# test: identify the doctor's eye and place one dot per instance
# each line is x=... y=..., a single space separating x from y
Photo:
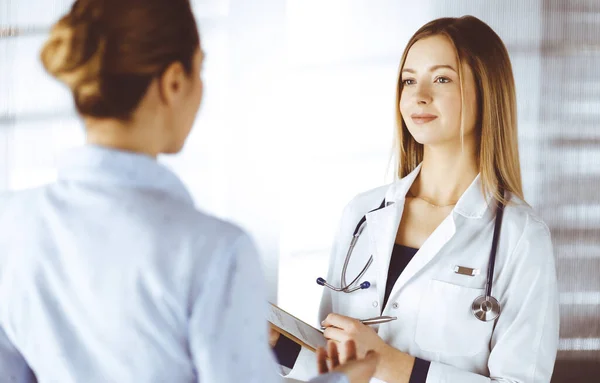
x=442 y=80
x=408 y=81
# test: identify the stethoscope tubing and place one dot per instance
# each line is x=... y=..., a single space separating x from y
x=485 y=308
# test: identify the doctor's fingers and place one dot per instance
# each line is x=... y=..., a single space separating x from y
x=341 y=321
x=336 y=334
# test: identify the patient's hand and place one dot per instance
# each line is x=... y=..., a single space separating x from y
x=273 y=335
x=357 y=370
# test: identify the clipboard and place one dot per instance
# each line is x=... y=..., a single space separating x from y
x=295 y=329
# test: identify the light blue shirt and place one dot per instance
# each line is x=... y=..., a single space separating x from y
x=111 y=275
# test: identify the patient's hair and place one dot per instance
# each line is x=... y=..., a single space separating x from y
x=108 y=51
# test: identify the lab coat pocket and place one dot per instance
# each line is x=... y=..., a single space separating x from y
x=445 y=323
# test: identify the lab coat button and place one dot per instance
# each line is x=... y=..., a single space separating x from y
x=375 y=304
x=395 y=305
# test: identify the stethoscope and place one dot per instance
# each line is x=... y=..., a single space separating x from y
x=485 y=307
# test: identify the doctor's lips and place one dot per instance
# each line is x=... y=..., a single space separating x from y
x=422 y=118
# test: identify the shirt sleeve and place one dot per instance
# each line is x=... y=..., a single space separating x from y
x=13 y=366
x=228 y=326
x=525 y=339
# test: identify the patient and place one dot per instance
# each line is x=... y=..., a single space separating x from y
x=110 y=274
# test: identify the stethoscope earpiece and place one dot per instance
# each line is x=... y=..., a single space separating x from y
x=345 y=289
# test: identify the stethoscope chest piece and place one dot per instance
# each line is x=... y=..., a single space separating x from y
x=486 y=308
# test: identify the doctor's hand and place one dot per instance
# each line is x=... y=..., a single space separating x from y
x=341 y=328
x=356 y=370
x=394 y=366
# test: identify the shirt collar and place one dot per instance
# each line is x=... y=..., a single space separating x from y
x=98 y=164
x=472 y=204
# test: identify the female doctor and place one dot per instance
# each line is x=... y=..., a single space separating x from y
x=110 y=274
x=431 y=233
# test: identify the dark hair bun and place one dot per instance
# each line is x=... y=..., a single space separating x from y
x=108 y=51
x=74 y=55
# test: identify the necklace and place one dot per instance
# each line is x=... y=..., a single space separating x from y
x=410 y=194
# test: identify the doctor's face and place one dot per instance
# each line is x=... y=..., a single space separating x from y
x=430 y=102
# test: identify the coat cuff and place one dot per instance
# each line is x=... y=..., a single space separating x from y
x=442 y=373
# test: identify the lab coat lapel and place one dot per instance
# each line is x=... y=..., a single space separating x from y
x=382 y=226
x=472 y=204
x=432 y=246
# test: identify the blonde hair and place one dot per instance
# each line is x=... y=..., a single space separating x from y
x=477 y=45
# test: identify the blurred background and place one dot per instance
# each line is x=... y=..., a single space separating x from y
x=298 y=117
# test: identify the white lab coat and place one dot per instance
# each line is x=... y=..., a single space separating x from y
x=433 y=303
x=111 y=275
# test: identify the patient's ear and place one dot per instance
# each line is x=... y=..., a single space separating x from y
x=173 y=84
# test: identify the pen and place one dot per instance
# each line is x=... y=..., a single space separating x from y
x=376 y=320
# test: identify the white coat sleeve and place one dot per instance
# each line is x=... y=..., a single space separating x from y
x=525 y=338
x=306 y=364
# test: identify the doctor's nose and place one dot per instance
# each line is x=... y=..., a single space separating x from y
x=423 y=95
